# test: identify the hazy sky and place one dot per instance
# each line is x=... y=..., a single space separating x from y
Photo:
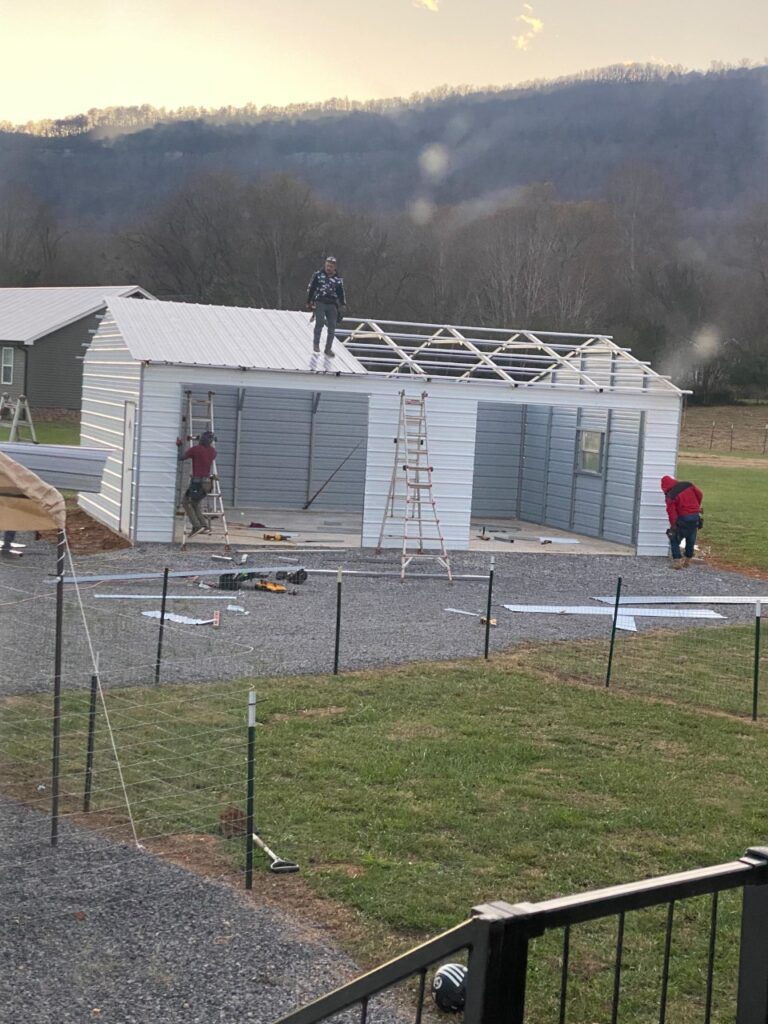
x=60 y=57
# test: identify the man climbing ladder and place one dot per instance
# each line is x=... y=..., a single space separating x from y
x=204 y=488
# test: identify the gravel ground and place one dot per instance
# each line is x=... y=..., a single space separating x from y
x=385 y=621
x=97 y=931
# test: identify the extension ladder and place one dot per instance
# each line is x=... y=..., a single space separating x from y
x=22 y=417
x=411 y=504
x=197 y=419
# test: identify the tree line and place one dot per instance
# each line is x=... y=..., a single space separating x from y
x=693 y=299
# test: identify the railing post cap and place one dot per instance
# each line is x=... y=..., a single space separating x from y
x=500 y=910
x=757 y=854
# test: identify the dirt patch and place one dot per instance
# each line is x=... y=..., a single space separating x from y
x=724 y=461
x=319 y=918
x=724 y=428
x=85 y=535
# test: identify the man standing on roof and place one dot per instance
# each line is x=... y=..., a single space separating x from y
x=325 y=296
x=203 y=456
x=684 y=510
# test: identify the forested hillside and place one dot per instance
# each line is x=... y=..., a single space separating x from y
x=629 y=201
x=709 y=133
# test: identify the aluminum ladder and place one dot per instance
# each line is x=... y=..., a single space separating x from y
x=197 y=419
x=22 y=417
x=411 y=505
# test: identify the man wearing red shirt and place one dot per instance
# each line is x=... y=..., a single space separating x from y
x=202 y=456
x=684 y=511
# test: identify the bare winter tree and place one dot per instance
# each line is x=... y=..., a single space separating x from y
x=29 y=239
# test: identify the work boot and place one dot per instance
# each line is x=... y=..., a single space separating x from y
x=677 y=563
x=687 y=562
x=315 y=348
x=330 y=353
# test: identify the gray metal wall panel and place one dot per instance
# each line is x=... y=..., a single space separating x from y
x=341 y=423
x=560 y=481
x=588 y=487
x=497 y=459
x=535 y=457
x=621 y=477
x=275 y=449
x=55 y=366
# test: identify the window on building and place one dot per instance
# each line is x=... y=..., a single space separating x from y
x=591 y=451
x=6 y=366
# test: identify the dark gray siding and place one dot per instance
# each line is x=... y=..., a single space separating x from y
x=16 y=387
x=277 y=430
x=55 y=366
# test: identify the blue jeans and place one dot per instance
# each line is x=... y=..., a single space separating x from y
x=686 y=531
x=326 y=315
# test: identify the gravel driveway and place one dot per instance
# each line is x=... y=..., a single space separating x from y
x=97 y=931
x=384 y=621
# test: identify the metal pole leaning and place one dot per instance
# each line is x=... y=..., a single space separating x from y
x=91 y=743
x=251 y=774
x=56 y=725
x=756 y=666
x=162 y=626
x=339 y=577
x=488 y=607
x=613 y=633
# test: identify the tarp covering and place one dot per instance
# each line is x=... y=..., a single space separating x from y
x=26 y=503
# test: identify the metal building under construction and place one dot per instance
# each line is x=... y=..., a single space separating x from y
x=565 y=432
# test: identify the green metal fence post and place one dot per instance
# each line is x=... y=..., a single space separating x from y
x=756 y=665
x=613 y=632
x=251 y=773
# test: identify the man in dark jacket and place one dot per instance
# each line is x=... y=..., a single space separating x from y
x=325 y=296
x=684 y=511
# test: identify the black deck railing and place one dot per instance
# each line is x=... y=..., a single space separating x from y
x=497 y=939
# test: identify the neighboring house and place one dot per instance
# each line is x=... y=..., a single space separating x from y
x=43 y=336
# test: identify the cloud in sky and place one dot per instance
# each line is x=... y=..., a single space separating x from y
x=533 y=26
x=428 y=5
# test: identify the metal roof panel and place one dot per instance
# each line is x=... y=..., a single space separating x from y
x=186 y=334
x=28 y=314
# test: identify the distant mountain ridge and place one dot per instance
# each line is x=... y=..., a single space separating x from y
x=707 y=132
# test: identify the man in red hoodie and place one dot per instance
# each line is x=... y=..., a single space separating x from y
x=684 y=510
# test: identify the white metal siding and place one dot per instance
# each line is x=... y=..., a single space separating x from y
x=451 y=440
x=159 y=419
x=110 y=378
x=662 y=428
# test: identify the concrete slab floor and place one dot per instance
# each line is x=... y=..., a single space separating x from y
x=324 y=530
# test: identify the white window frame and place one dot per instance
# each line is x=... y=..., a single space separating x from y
x=591 y=452
x=6 y=363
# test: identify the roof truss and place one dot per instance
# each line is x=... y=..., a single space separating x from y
x=517 y=358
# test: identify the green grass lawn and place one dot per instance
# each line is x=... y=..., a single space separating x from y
x=735 y=512
x=49 y=433
x=410 y=795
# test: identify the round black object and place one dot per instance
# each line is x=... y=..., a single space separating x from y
x=449 y=987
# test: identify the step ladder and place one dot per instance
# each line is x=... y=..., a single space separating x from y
x=21 y=419
x=410 y=513
x=197 y=418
